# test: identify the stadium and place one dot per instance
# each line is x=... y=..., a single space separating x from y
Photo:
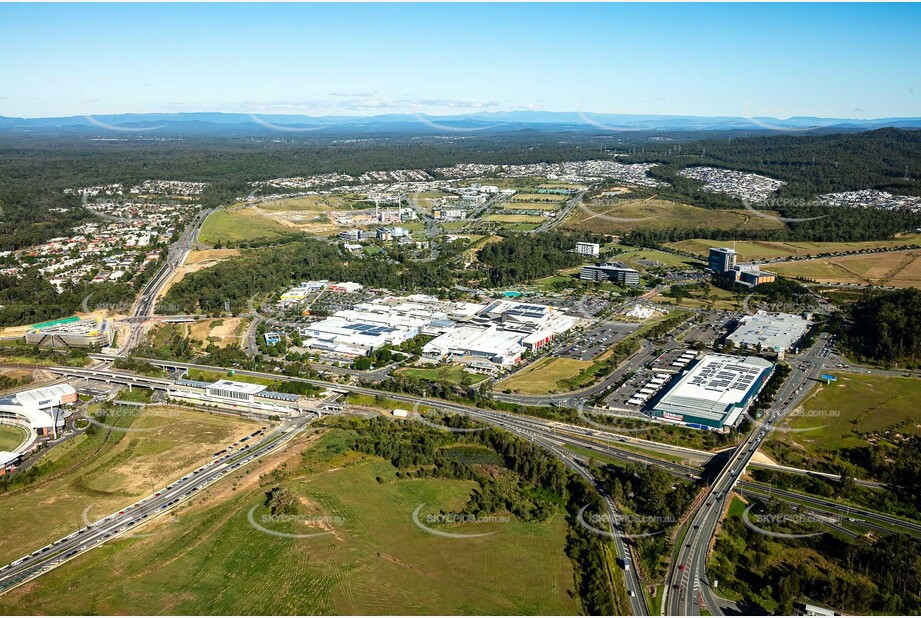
x=71 y=333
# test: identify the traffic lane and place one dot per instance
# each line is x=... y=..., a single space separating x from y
x=93 y=535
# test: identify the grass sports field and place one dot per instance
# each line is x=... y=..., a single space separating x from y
x=98 y=472
x=901 y=269
x=855 y=404
x=542 y=377
x=374 y=559
x=759 y=250
x=624 y=215
x=239 y=225
x=11 y=436
x=539 y=197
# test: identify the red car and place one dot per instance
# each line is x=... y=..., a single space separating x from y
x=680 y=567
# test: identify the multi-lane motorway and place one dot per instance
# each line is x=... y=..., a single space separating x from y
x=147 y=299
x=155 y=505
x=687 y=582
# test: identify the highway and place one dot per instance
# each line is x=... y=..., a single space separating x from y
x=373 y=375
x=128 y=378
x=147 y=299
x=880 y=521
x=687 y=584
x=561 y=214
x=156 y=505
x=634 y=585
x=691 y=581
x=530 y=429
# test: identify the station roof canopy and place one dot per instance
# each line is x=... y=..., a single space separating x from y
x=245 y=388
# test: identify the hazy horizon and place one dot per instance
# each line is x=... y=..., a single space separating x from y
x=831 y=61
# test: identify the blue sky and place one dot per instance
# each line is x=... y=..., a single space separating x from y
x=842 y=60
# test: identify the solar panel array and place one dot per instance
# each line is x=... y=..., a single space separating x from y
x=369 y=329
x=719 y=377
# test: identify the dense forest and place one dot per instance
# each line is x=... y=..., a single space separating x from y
x=32 y=299
x=516 y=258
x=855 y=576
x=886 y=327
x=521 y=257
x=265 y=270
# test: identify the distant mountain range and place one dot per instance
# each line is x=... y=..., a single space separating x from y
x=215 y=123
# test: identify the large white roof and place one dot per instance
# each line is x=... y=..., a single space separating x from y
x=715 y=386
x=37 y=419
x=238 y=387
x=46 y=395
x=774 y=331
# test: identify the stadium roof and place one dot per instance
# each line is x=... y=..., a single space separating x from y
x=238 y=387
x=44 y=396
x=37 y=419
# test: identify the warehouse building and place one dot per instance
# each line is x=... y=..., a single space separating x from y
x=302 y=291
x=615 y=272
x=385 y=321
x=714 y=392
x=770 y=331
x=498 y=346
x=352 y=335
x=345 y=287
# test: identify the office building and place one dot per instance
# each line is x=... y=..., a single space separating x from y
x=721 y=260
x=588 y=248
x=615 y=272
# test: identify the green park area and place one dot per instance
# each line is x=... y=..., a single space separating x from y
x=616 y=216
x=452 y=374
x=542 y=377
x=362 y=553
x=857 y=408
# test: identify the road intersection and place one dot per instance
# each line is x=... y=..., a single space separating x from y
x=687 y=586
